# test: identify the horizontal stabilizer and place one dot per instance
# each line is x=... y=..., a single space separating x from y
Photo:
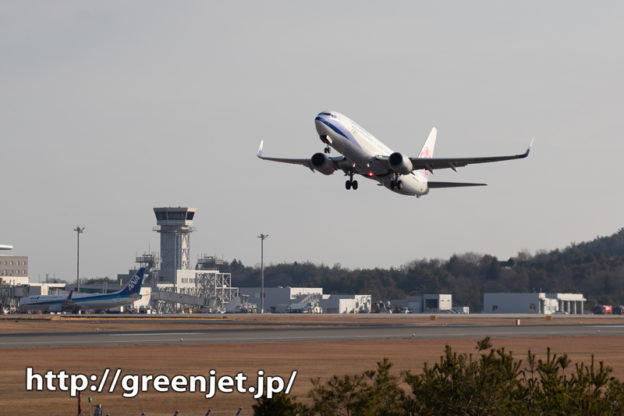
x=433 y=184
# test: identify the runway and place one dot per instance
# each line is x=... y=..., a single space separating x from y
x=299 y=333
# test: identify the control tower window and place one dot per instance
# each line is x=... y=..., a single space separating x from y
x=176 y=215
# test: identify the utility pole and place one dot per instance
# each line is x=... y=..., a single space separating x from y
x=79 y=230
x=262 y=237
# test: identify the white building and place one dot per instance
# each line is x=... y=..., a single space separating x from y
x=306 y=300
x=428 y=303
x=346 y=303
x=537 y=303
x=13 y=270
x=46 y=289
x=280 y=299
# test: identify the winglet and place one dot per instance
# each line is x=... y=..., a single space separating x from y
x=260 y=149
x=525 y=154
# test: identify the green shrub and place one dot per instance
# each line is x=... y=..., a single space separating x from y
x=489 y=383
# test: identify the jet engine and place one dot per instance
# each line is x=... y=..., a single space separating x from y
x=322 y=163
x=400 y=163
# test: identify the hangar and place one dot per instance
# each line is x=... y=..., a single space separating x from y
x=537 y=303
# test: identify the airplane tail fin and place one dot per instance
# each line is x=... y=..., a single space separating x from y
x=134 y=284
x=427 y=151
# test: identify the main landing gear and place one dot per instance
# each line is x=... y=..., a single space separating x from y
x=396 y=183
x=351 y=183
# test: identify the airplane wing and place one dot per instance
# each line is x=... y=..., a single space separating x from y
x=452 y=163
x=339 y=162
x=305 y=162
x=434 y=184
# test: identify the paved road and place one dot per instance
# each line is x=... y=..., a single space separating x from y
x=290 y=333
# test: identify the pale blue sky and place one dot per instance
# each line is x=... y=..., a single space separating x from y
x=111 y=108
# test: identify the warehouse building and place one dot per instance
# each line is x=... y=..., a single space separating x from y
x=428 y=303
x=285 y=299
x=305 y=300
x=537 y=303
x=346 y=304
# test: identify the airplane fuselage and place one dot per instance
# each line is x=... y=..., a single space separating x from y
x=361 y=147
x=56 y=303
x=84 y=302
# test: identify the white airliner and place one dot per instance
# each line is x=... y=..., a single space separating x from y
x=365 y=155
x=75 y=303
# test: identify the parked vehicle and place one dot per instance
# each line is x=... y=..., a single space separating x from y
x=618 y=310
x=603 y=309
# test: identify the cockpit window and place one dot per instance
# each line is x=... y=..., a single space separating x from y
x=326 y=114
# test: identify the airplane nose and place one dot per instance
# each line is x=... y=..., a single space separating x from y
x=321 y=128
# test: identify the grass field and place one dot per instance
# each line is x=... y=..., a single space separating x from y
x=311 y=359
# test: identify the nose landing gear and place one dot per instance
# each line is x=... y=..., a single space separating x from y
x=325 y=139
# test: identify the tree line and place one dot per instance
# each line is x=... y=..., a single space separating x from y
x=594 y=268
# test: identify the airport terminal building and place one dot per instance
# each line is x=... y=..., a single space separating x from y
x=13 y=270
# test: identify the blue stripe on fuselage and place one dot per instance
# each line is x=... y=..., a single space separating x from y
x=78 y=300
x=343 y=132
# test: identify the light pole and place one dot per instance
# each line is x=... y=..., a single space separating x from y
x=79 y=230
x=262 y=237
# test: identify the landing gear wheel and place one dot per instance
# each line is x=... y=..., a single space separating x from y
x=351 y=183
x=396 y=183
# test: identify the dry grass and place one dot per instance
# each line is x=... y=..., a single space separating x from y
x=313 y=359
x=54 y=323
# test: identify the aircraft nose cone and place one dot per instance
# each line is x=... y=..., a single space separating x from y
x=321 y=127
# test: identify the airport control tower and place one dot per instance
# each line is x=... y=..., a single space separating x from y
x=174 y=226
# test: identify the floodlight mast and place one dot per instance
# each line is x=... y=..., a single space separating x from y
x=262 y=237
x=79 y=230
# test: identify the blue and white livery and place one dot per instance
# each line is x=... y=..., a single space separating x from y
x=363 y=154
x=74 y=303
